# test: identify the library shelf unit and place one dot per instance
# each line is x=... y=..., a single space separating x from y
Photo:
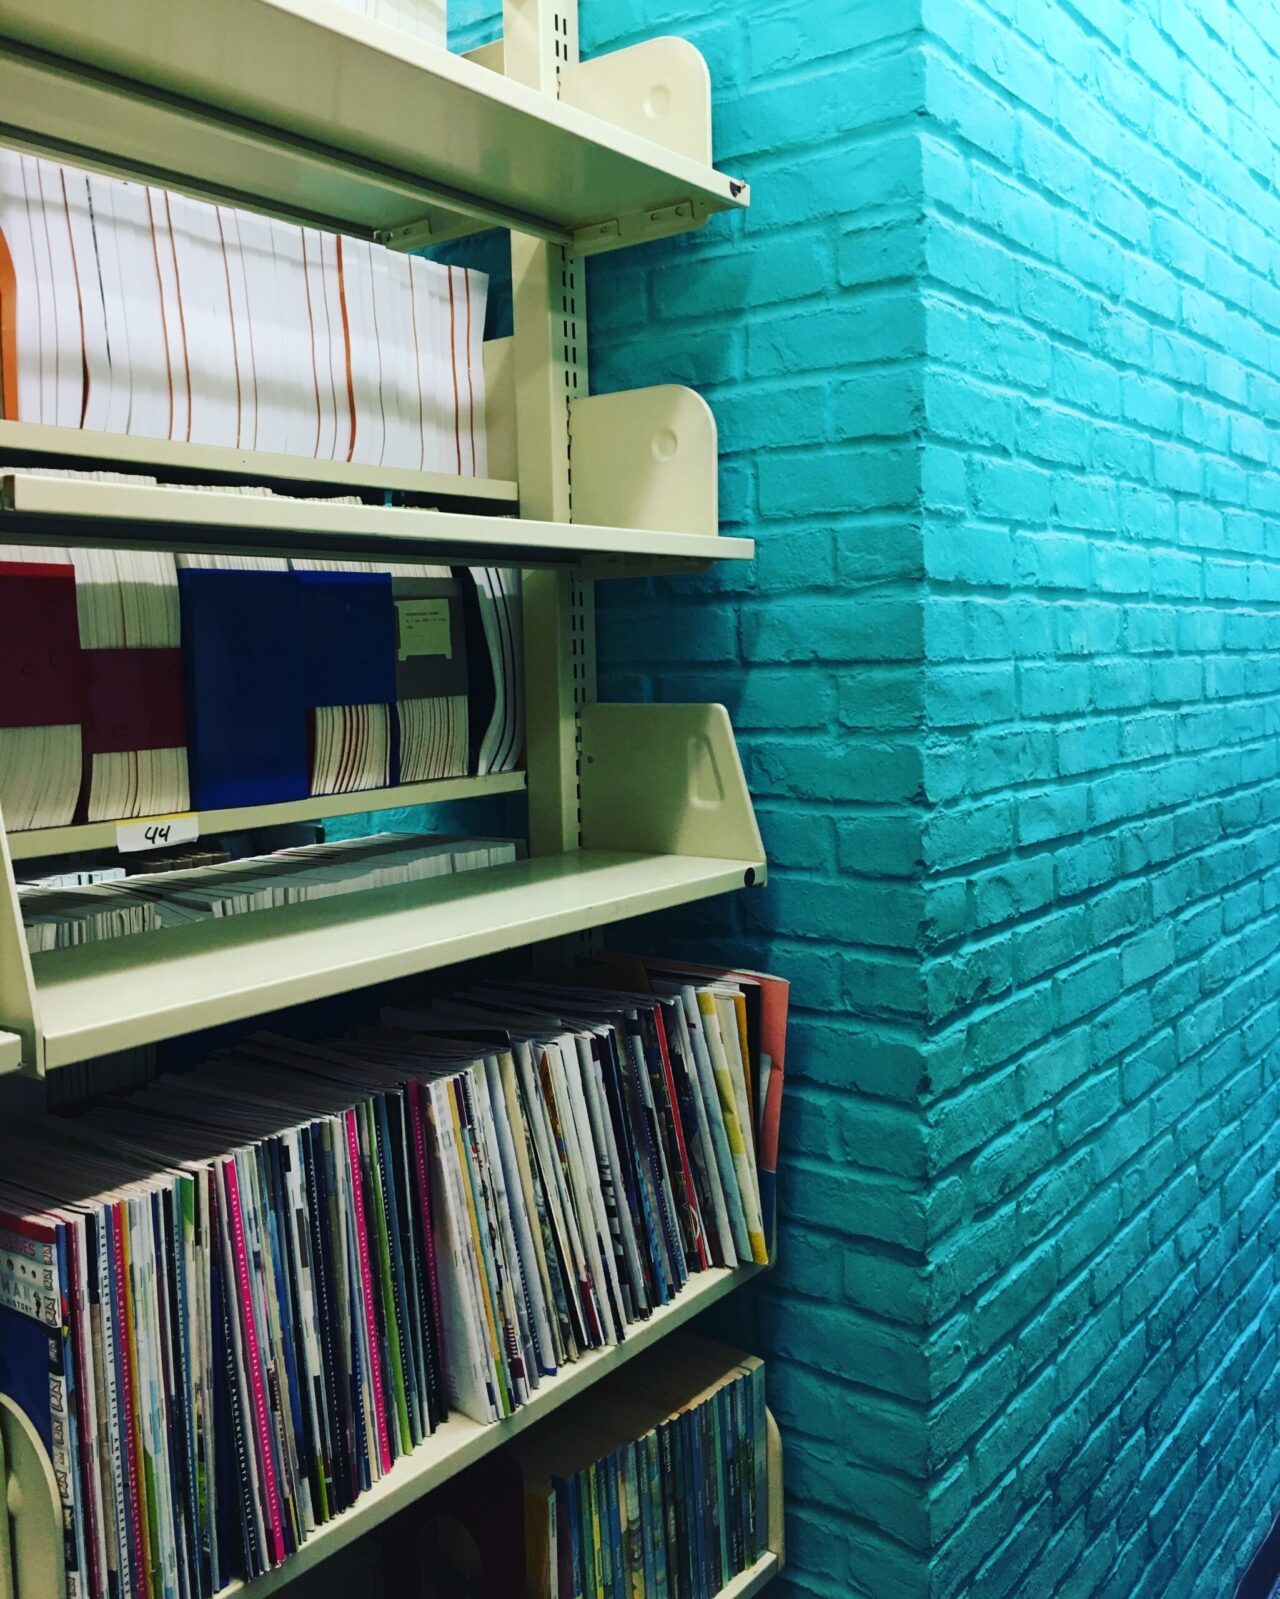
x=307 y=111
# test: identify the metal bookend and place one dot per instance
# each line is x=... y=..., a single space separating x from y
x=645 y=458
x=31 y=1522
x=667 y=779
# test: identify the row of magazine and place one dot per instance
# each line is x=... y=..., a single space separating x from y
x=656 y=1485
x=230 y=1302
x=653 y=1484
x=58 y=917
x=128 y=309
x=140 y=683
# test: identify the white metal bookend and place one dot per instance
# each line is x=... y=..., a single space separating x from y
x=645 y=458
x=642 y=459
x=659 y=88
x=667 y=780
x=30 y=1515
x=777 y=1521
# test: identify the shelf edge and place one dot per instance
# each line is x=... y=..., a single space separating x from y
x=102 y=835
x=176 y=455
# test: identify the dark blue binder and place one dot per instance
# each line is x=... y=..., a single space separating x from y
x=349 y=638
x=246 y=706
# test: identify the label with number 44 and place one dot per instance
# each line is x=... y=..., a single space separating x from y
x=157 y=832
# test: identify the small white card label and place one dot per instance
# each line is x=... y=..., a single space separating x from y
x=157 y=832
x=423 y=628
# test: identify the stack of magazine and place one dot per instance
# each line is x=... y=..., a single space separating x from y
x=58 y=917
x=230 y=1302
x=657 y=1484
x=128 y=309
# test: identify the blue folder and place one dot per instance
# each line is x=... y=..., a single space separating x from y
x=246 y=703
x=349 y=638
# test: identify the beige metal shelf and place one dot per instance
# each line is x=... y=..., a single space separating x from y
x=456 y=1444
x=128 y=991
x=39 y=443
x=753 y=1581
x=308 y=110
x=665 y=820
x=81 y=511
x=10 y=1053
x=102 y=835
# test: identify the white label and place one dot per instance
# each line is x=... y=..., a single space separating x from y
x=157 y=832
x=423 y=628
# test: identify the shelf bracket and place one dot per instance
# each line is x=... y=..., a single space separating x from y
x=639 y=227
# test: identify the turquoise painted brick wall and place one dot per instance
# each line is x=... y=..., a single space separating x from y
x=995 y=358
x=803 y=325
x=1102 y=572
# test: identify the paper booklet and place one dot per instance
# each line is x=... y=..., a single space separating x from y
x=127 y=309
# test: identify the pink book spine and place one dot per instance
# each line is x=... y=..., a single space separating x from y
x=366 y=1285
x=123 y=1310
x=262 y=1421
x=424 y=1205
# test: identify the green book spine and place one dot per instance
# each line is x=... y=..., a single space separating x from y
x=760 y=1429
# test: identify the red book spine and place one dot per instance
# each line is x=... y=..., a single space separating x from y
x=366 y=1284
x=257 y=1384
x=139 y=1553
x=686 y=1171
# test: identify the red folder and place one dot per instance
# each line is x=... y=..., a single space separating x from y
x=39 y=645
x=133 y=700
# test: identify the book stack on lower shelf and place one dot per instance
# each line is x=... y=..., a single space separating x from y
x=664 y=1480
x=274 y=1297
x=659 y=1486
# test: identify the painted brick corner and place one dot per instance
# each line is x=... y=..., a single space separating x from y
x=1101 y=765
x=996 y=361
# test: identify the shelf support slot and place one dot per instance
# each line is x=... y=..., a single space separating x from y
x=540 y=43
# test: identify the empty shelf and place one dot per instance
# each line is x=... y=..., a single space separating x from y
x=80 y=511
x=304 y=109
x=97 y=998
